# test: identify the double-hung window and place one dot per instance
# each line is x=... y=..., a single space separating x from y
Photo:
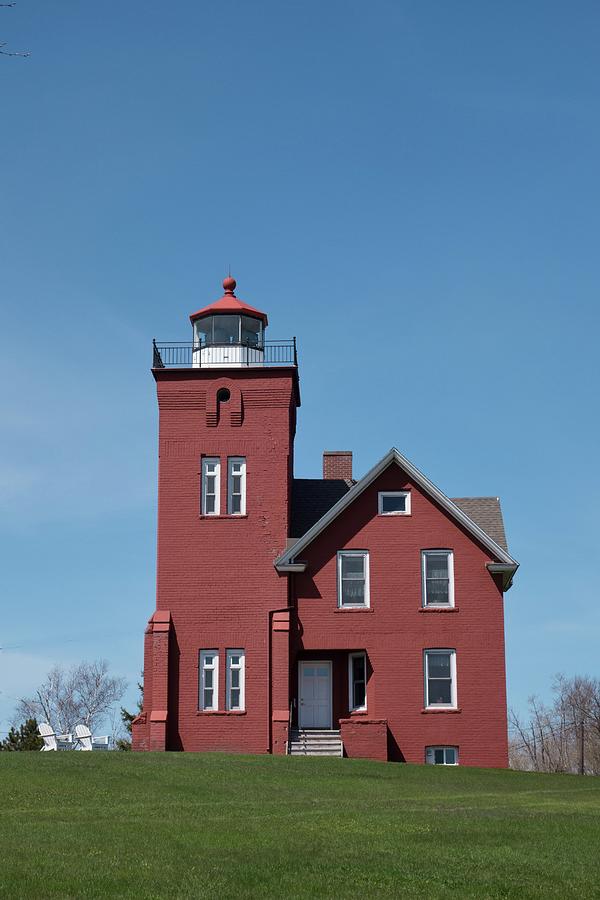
x=236 y=486
x=438 y=577
x=440 y=678
x=209 y=680
x=353 y=578
x=211 y=476
x=441 y=756
x=235 y=679
x=357 y=677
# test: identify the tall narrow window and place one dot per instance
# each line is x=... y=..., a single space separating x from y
x=235 y=679
x=353 y=578
x=236 y=486
x=357 y=688
x=209 y=680
x=438 y=577
x=440 y=678
x=211 y=476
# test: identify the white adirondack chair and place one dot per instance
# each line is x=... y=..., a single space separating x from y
x=84 y=737
x=85 y=740
x=53 y=741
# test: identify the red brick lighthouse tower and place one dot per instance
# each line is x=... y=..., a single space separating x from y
x=216 y=652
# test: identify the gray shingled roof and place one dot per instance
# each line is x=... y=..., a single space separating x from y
x=485 y=512
x=313 y=497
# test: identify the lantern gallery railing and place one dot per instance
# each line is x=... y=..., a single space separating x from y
x=215 y=355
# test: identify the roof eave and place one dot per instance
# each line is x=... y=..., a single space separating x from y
x=507 y=571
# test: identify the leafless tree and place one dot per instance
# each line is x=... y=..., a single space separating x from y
x=562 y=737
x=4 y=44
x=84 y=694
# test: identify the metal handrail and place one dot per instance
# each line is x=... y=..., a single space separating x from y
x=288 y=743
x=186 y=355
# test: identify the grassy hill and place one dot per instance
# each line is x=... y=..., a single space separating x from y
x=216 y=825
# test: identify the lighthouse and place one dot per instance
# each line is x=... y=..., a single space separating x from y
x=216 y=649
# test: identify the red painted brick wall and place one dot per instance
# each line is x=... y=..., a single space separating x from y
x=216 y=575
x=395 y=630
x=365 y=738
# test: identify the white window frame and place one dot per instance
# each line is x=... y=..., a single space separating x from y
x=214 y=668
x=209 y=461
x=382 y=494
x=450 y=556
x=241 y=667
x=340 y=555
x=241 y=462
x=453 y=692
x=430 y=755
x=351 y=658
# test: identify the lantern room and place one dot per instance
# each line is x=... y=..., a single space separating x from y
x=228 y=332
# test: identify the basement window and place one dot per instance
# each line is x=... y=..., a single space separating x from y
x=441 y=756
x=394 y=503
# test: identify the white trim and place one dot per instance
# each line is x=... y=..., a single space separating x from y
x=242 y=686
x=434 y=552
x=453 y=692
x=209 y=462
x=404 y=512
x=394 y=456
x=315 y=662
x=365 y=555
x=241 y=462
x=430 y=754
x=214 y=668
x=351 y=706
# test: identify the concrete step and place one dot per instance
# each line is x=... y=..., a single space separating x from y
x=315 y=742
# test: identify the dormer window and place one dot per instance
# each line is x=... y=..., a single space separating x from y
x=394 y=503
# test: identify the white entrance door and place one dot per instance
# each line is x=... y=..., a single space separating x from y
x=315 y=694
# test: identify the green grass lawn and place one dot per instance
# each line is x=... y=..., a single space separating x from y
x=217 y=825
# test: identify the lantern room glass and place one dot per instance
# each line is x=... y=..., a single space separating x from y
x=224 y=330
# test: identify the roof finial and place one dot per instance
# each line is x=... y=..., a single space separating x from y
x=229 y=284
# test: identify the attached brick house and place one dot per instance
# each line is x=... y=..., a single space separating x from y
x=362 y=618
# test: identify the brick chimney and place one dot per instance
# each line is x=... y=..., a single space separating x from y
x=337 y=464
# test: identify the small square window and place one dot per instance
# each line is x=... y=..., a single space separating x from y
x=394 y=503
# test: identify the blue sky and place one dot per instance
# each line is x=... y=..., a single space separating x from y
x=410 y=188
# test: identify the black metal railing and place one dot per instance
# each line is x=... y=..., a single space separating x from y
x=188 y=355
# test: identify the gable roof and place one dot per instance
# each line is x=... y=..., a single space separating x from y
x=465 y=510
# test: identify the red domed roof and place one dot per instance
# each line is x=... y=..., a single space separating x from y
x=229 y=303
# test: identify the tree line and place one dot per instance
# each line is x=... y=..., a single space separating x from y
x=563 y=735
